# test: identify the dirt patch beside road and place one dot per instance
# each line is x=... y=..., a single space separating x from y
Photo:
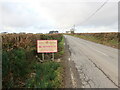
x=71 y=76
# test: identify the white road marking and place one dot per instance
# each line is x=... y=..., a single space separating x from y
x=69 y=48
x=99 y=52
x=73 y=79
x=69 y=59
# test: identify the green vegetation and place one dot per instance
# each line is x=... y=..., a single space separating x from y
x=60 y=48
x=15 y=67
x=46 y=76
x=109 y=39
x=21 y=65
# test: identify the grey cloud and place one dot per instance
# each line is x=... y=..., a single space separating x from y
x=67 y=14
x=63 y=14
x=15 y=15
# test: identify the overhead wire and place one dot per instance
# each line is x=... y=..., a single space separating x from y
x=95 y=12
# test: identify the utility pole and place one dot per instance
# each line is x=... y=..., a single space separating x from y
x=72 y=29
x=74 y=26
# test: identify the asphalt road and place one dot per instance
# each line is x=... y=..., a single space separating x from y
x=97 y=64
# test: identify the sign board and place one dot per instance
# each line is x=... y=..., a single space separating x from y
x=46 y=46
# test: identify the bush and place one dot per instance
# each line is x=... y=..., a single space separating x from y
x=45 y=75
x=15 y=67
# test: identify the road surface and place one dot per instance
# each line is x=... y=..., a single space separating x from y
x=97 y=64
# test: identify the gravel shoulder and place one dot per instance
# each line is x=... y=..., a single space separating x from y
x=71 y=76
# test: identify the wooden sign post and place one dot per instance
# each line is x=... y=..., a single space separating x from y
x=53 y=56
x=47 y=46
x=43 y=56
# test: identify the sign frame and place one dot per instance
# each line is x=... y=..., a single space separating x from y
x=48 y=51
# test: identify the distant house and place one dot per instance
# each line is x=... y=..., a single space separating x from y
x=52 y=32
x=72 y=30
x=68 y=31
x=29 y=33
x=22 y=33
x=39 y=33
x=4 y=32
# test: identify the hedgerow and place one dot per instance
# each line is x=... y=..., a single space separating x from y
x=20 y=60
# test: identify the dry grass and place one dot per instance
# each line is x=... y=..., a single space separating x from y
x=109 y=39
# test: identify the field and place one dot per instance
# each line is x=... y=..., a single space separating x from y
x=23 y=67
x=109 y=39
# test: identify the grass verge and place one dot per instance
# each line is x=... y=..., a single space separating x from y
x=112 y=42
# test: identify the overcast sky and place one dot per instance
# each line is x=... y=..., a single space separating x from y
x=41 y=16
